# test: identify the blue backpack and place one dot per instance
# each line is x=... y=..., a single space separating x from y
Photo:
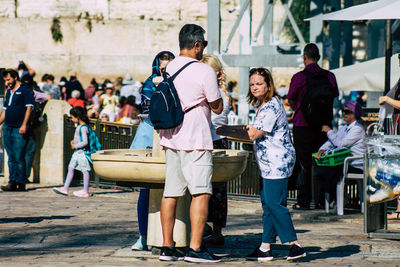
x=94 y=143
x=165 y=107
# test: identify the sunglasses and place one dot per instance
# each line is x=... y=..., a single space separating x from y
x=347 y=112
x=258 y=70
x=203 y=42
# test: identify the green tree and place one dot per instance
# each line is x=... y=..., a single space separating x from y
x=300 y=11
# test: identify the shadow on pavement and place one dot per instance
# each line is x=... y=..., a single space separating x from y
x=315 y=253
x=55 y=238
x=280 y=252
x=32 y=219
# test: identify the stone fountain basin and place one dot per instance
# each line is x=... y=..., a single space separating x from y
x=138 y=165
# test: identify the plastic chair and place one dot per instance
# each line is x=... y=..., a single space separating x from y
x=232 y=118
x=340 y=186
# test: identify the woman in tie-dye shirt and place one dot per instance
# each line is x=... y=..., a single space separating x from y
x=275 y=156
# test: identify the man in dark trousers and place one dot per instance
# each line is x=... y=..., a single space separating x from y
x=307 y=130
x=17 y=109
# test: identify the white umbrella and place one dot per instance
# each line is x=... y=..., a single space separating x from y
x=367 y=75
x=383 y=9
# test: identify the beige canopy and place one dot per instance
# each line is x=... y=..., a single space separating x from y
x=367 y=76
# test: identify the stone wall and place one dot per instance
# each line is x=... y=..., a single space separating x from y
x=52 y=143
x=124 y=35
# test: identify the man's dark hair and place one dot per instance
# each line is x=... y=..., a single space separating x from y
x=13 y=73
x=312 y=52
x=189 y=35
x=50 y=77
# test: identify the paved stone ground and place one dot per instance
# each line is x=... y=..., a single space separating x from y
x=40 y=228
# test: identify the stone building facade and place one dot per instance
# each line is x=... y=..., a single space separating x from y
x=101 y=38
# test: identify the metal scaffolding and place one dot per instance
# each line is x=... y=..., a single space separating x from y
x=270 y=52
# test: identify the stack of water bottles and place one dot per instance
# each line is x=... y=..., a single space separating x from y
x=383 y=168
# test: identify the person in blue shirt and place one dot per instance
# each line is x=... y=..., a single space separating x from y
x=17 y=110
x=144 y=139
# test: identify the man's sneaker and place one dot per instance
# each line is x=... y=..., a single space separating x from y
x=200 y=255
x=296 y=252
x=258 y=255
x=81 y=193
x=61 y=190
x=141 y=244
x=170 y=254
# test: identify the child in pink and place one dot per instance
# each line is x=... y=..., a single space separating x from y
x=79 y=160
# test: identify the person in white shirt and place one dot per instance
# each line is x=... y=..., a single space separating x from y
x=351 y=136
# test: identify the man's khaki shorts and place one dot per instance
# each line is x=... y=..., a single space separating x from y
x=188 y=169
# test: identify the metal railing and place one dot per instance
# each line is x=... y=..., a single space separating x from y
x=111 y=136
x=248 y=183
x=120 y=136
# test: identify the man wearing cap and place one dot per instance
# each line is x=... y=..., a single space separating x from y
x=350 y=136
x=308 y=138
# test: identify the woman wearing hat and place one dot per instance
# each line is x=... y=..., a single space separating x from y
x=351 y=136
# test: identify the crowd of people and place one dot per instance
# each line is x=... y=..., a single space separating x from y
x=114 y=101
x=206 y=100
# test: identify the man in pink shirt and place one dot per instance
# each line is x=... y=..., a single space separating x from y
x=188 y=147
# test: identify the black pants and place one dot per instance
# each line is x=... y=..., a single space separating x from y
x=307 y=140
x=218 y=204
x=327 y=178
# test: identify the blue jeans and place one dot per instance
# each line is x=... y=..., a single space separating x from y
x=15 y=144
x=29 y=154
x=276 y=216
x=143 y=210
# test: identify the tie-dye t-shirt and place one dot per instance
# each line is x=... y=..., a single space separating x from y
x=274 y=151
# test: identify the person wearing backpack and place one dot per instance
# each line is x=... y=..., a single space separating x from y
x=188 y=146
x=80 y=160
x=144 y=139
x=311 y=94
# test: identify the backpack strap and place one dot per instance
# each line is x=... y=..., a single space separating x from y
x=80 y=133
x=189 y=109
x=181 y=69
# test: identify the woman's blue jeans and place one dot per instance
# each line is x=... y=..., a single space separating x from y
x=276 y=216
